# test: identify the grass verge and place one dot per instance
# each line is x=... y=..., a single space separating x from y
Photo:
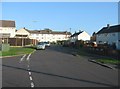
x=108 y=61
x=17 y=51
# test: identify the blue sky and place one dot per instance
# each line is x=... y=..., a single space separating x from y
x=61 y=16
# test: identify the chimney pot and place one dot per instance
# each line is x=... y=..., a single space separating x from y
x=108 y=25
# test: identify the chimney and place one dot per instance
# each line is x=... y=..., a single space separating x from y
x=108 y=25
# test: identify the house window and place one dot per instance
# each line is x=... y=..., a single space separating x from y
x=100 y=41
x=37 y=37
x=113 y=34
x=98 y=35
x=106 y=34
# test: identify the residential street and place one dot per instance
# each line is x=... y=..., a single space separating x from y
x=55 y=67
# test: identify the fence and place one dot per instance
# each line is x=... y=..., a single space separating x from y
x=99 y=50
x=21 y=41
x=103 y=51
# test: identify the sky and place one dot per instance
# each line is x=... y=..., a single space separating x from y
x=61 y=16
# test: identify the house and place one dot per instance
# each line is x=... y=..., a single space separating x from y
x=43 y=35
x=7 y=27
x=109 y=35
x=54 y=36
x=81 y=35
x=7 y=30
x=93 y=37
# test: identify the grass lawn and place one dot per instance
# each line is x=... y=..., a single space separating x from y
x=109 y=61
x=17 y=51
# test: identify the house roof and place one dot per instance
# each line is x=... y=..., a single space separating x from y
x=76 y=33
x=7 y=23
x=47 y=31
x=110 y=29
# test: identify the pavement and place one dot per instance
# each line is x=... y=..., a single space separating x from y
x=55 y=67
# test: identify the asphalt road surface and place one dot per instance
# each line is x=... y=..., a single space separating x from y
x=55 y=67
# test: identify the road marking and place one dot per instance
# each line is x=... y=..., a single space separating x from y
x=22 y=58
x=28 y=57
x=29 y=73
x=32 y=84
x=30 y=78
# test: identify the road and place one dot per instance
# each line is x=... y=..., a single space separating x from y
x=55 y=67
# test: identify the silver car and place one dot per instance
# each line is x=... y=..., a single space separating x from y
x=40 y=45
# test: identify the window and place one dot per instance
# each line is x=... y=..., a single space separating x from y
x=106 y=34
x=98 y=35
x=100 y=41
x=113 y=34
x=37 y=37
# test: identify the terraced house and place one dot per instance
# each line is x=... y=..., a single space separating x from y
x=44 y=35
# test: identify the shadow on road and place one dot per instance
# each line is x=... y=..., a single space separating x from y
x=81 y=80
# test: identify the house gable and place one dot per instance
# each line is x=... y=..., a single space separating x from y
x=22 y=32
x=84 y=36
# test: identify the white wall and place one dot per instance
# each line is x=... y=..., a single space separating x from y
x=109 y=38
x=44 y=37
x=8 y=30
x=84 y=36
x=53 y=37
x=48 y=37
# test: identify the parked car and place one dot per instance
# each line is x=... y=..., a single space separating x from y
x=40 y=45
x=47 y=44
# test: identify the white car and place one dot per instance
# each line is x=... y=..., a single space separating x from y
x=47 y=44
x=40 y=45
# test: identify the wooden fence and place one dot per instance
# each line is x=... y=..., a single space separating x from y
x=99 y=50
x=103 y=51
x=21 y=41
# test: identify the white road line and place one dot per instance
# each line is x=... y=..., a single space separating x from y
x=22 y=58
x=29 y=73
x=28 y=57
x=32 y=84
x=30 y=78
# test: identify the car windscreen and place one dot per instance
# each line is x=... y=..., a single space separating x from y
x=40 y=43
x=46 y=42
